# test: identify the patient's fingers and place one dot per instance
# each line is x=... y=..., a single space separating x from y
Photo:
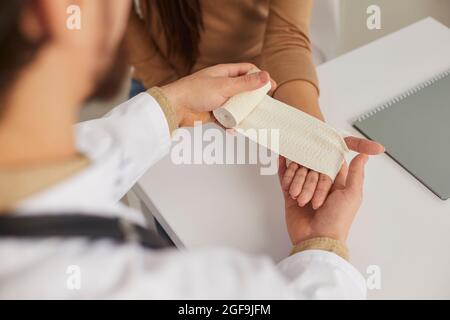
x=289 y=176
x=308 y=189
x=364 y=146
x=298 y=182
x=281 y=168
x=323 y=188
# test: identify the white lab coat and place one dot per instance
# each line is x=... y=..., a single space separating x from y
x=122 y=146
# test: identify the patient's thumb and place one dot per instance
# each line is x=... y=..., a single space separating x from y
x=355 y=177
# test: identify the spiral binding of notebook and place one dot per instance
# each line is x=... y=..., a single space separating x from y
x=404 y=95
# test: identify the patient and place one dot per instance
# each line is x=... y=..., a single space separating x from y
x=273 y=34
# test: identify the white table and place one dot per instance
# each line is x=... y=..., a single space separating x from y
x=402 y=227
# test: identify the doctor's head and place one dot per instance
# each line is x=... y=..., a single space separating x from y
x=80 y=37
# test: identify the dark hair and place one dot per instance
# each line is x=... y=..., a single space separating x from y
x=181 y=21
x=15 y=49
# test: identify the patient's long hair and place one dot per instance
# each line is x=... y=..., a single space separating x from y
x=182 y=23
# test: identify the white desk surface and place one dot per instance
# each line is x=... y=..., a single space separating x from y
x=402 y=227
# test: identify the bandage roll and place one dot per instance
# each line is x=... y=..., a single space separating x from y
x=237 y=108
x=302 y=138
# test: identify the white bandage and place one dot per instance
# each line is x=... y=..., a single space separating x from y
x=303 y=138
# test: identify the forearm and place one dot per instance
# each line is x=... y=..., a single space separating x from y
x=287 y=55
x=302 y=95
x=138 y=129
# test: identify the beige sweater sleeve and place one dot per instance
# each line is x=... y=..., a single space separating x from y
x=168 y=109
x=287 y=53
x=150 y=67
x=325 y=244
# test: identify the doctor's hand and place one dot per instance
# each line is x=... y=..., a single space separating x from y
x=334 y=218
x=309 y=187
x=196 y=95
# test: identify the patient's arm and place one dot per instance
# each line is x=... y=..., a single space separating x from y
x=287 y=41
x=287 y=57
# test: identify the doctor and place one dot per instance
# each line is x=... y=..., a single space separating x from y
x=63 y=233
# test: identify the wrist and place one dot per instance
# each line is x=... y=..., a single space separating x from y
x=302 y=95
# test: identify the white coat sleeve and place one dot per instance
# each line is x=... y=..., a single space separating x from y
x=137 y=130
x=223 y=274
x=311 y=274
x=323 y=275
x=111 y=271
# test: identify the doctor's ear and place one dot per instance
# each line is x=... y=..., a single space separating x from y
x=32 y=22
x=46 y=18
x=60 y=22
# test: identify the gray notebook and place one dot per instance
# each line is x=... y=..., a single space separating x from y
x=415 y=129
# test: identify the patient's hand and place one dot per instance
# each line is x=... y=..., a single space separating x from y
x=306 y=186
x=334 y=218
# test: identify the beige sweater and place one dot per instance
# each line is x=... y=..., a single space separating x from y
x=273 y=34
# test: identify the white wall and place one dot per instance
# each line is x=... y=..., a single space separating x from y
x=395 y=14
